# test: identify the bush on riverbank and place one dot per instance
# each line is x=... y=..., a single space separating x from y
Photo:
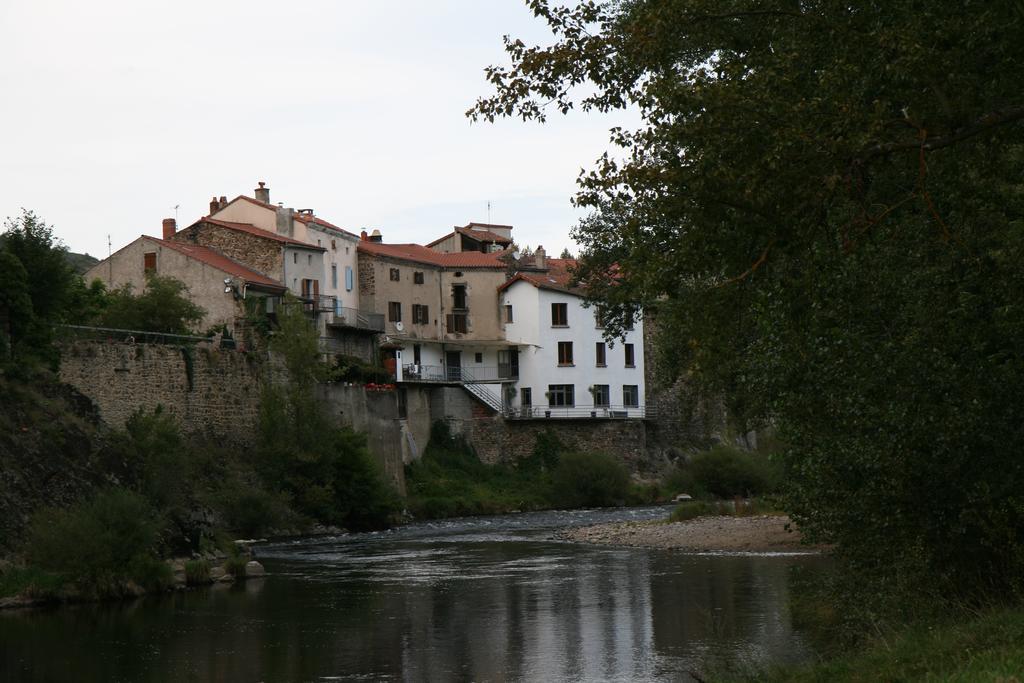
x=725 y=472
x=590 y=480
x=99 y=545
x=723 y=508
x=976 y=647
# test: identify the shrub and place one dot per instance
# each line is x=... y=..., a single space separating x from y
x=590 y=479
x=197 y=572
x=98 y=544
x=252 y=511
x=726 y=471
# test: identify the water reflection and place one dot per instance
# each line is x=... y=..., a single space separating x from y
x=490 y=600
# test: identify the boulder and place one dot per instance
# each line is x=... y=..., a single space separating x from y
x=254 y=569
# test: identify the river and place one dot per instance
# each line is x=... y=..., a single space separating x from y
x=484 y=599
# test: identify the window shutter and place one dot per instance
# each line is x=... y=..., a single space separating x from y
x=348 y=278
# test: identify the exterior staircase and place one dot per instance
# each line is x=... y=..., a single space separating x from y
x=485 y=395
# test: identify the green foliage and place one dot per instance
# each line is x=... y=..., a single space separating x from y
x=590 y=480
x=450 y=481
x=235 y=565
x=823 y=207
x=164 y=306
x=739 y=507
x=975 y=647
x=36 y=286
x=99 y=544
x=325 y=470
x=197 y=572
x=356 y=370
x=727 y=471
x=251 y=511
x=154 y=450
x=30 y=582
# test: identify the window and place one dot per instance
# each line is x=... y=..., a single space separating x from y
x=602 y=394
x=559 y=315
x=629 y=324
x=334 y=246
x=395 y=275
x=310 y=289
x=309 y=259
x=334 y=275
x=479 y=358
x=395 y=311
x=631 y=395
x=458 y=322
x=561 y=395
x=416 y=354
x=508 y=313
x=598 y=314
x=318 y=243
x=348 y=279
x=630 y=360
x=295 y=257
x=600 y=355
x=526 y=397
x=420 y=314
x=417 y=277
x=149 y=262
x=565 y=353
x=459 y=297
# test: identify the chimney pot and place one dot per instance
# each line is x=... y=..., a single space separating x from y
x=362 y=236
x=170 y=227
x=262 y=193
x=540 y=258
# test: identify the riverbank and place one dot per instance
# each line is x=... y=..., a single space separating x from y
x=760 y=533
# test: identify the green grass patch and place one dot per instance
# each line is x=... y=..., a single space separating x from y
x=979 y=647
x=31 y=582
x=450 y=481
x=738 y=507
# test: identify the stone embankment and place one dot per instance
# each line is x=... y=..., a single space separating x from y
x=760 y=534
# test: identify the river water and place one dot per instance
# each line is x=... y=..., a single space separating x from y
x=486 y=599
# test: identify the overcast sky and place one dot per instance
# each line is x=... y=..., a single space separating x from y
x=116 y=111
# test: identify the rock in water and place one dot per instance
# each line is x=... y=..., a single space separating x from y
x=254 y=569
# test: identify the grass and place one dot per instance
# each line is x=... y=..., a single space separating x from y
x=30 y=582
x=724 y=508
x=982 y=647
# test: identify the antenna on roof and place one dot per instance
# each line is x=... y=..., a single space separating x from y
x=488 y=210
x=176 y=212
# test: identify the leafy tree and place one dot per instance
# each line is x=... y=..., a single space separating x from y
x=327 y=471
x=566 y=254
x=822 y=204
x=164 y=306
x=37 y=283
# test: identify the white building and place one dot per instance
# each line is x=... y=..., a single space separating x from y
x=566 y=367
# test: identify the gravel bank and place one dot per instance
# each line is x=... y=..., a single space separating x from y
x=765 y=533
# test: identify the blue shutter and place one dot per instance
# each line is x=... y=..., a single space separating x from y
x=348 y=278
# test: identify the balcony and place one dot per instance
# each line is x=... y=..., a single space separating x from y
x=340 y=316
x=447 y=374
x=610 y=412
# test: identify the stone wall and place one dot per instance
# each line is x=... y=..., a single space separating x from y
x=211 y=392
x=262 y=254
x=497 y=440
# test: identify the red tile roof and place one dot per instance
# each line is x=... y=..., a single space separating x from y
x=219 y=261
x=480 y=235
x=253 y=230
x=300 y=217
x=558 y=277
x=420 y=254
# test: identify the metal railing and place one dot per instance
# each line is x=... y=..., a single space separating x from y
x=412 y=372
x=112 y=335
x=610 y=412
x=341 y=316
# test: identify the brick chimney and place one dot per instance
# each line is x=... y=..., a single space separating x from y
x=362 y=236
x=540 y=258
x=170 y=227
x=214 y=205
x=262 y=193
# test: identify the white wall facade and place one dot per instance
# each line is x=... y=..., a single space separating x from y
x=539 y=366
